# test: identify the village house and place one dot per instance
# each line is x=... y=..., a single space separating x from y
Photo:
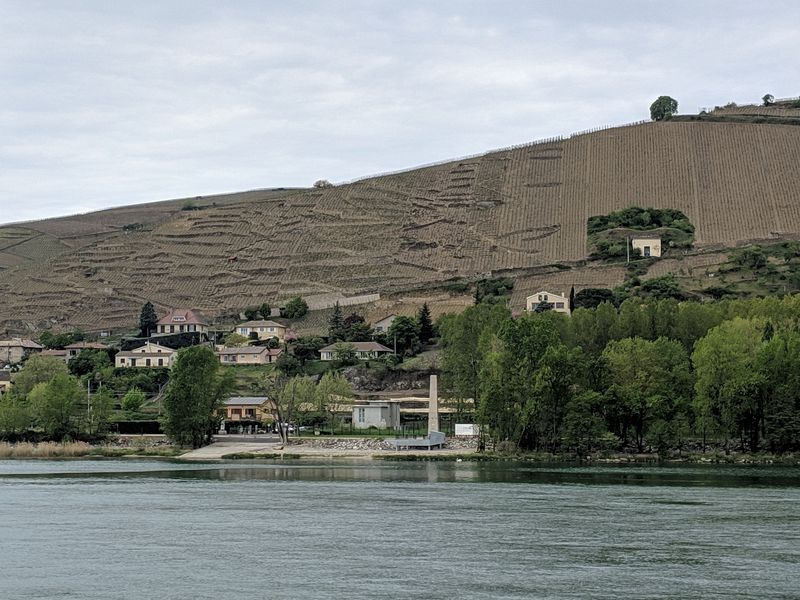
x=5 y=381
x=149 y=355
x=247 y=408
x=74 y=349
x=383 y=325
x=14 y=350
x=264 y=330
x=364 y=350
x=181 y=320
x=383 y=415
x=248 y=355
x=55 y=352
x=646 y=245
x=557 y=302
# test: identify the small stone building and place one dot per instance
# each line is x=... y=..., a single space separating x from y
x=646 y=245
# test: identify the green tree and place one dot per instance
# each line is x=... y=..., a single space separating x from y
x=89 y=361
x=251 y=313
x=405 y=330
x=55 y=405
x=727 y=390
x=195 y=396
x=235 y=339
x=133 y=400
x=15 y=416
x=265 y=310
x=663 y=108
x=333 y=391
x=425 y=324
x=356 y=329
x=344 y=354
x=336 y=324
x=148 y=320
x=650 y=379
x=289 y=396
x=38 y=369
x=583 y=426
x=99 y=413
x=295 y=308
x=768 y=99
x=288 y=365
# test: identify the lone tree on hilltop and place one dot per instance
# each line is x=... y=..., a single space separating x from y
x=663 y=108
x=768 y=99
x=195 y=396
x=148 y=320
x=323 y=183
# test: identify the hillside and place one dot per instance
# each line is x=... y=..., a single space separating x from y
x=518 y=212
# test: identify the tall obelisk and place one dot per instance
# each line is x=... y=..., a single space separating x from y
x=433 y=405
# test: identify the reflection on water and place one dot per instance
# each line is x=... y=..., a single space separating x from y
x=119 y=529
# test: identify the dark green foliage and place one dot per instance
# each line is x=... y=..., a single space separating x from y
x=265 y=310
x=492 y=291
x=307 y=348
x=288 y=365
x=355 y=329
x=405 y=332
x=295 y=308
x=663 y=108
x=593 y=297
x=148 y=320
x=251 y=314
x=89 y=361
x=641 y=219
x=752 y=257
x=336 y=324
x=768 y=99
x=195 y=396
x=48 y=339
x=425 y=324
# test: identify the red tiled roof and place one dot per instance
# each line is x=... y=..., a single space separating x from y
x=183 y=316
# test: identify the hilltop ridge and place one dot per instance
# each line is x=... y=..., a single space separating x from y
x=517 y=212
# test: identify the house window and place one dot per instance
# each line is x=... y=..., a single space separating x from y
x=250 y=412
x=147 y=362
x=362 y=415
x=160 y=362
x=133 y=362
x=236 y=412
x=270 y=329
x=559 y=305
x=646 y=251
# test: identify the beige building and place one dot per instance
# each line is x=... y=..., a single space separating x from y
x=248 y=408
x=149 y=355
x=383 y=325
x=364 y=350
x=383 y=415
x=14 y=350
x=248 y=355
x=647 y=246
x=181 y=320
x=558 y=302
x=264 y=329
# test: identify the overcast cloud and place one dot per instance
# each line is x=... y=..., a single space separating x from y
x=111 y=103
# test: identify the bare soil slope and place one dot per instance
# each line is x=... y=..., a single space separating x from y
x=512 y=212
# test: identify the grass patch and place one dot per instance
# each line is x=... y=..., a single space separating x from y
x=80 y=449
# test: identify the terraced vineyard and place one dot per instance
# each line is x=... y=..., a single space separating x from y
x=515 y=212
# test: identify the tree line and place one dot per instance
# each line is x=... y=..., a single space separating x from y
x=655 y=375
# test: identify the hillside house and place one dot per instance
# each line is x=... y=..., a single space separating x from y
x=74 y=349
x=384 y=415
x=646 y=245
x=62 y=354
x=149 y=355
x=248 y=355
x=383 y=325
x=181 y=320
x=364 y=350
x=264 y=330
x=14 y=350
x=558 y=302
x=247 y=408
x=5 y=381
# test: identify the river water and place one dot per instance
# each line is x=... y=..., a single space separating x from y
x=148 y=529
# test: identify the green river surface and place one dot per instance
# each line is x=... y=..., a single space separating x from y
x=154 y=529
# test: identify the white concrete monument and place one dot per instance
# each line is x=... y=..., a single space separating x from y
x=433 y=405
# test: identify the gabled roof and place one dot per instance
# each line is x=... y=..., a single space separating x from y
x=359 y=347
x=20 y=343
x=243 y=350
x=86 y=346
x=183 y=316
x=137 y=352
x=54 y=352
x=246 y=400
x=548 y=293
x=261 y=323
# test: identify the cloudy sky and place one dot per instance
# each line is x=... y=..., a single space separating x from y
x=111 y=103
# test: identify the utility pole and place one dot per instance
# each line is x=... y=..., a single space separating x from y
x=628 y=249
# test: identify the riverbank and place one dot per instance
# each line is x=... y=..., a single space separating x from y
x=85 y=450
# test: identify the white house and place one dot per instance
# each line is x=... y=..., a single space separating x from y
x=383 y=325
x=647 y=246
x=558 y=302
x=384 y=415
x=149 y=355
x=363 y=350
x=263 y=329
